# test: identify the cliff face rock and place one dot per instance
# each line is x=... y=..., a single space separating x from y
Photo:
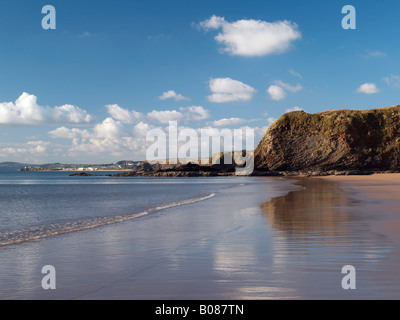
x=332 y=140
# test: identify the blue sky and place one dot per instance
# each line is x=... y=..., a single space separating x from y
x=127 y=54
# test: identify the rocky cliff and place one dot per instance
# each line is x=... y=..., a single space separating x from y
x=332 y=140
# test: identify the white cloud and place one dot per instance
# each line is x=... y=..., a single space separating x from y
x=113 y=139
x=121 y=135
x=393 y=81
x=29 y=149
x=141 y=129
x=253 y=37
x=66 y=133
x=294 y=109
x=109 y=138
x=38 y=146
x=228 y=90
x=195 y=113
x=229 y=122
x=171 y=94
x=279 y=90
x=288 y=87
x=374 y=54
x=126 y=116
x=368 y=88
x=26 y=112
x=71 y=114
x=109 y=129
x=204 y=148
x=276 y=93
x=165 y=116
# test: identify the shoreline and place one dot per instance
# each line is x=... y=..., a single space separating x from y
x=193 y=171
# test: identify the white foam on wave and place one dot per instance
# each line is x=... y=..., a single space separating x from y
x=20 y=236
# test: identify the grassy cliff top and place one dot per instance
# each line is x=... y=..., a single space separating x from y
x=338 y=122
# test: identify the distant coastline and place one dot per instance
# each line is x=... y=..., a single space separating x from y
x=124 y=165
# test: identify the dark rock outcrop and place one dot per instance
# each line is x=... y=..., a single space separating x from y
x=82 y=174
x=180 y=170
x=332 y=142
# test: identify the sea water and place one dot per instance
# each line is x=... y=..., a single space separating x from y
x=35 y=205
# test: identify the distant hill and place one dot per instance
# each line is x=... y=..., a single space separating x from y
x=12 y=166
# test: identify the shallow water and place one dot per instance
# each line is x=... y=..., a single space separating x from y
x=257 y=238
x=39 y=204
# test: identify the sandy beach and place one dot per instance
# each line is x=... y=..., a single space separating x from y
x=380 y=196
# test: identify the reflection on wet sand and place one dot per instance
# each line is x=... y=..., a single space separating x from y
x=315 y=212
x=320 y=228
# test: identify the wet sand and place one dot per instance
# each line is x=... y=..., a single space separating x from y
x=380 y=196
x=270 y=238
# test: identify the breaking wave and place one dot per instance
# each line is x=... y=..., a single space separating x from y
x=20 y=236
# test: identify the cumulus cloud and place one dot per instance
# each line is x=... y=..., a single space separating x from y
x=121 y=135
x=294 y=109
x=106 y=136
x=71 y=114
x=279 y=90
x=109 y=129
x=171 y=94
x=228 y=90
x=109 y=137
x=67 y=133
x=121 y=140
x=229 y=122
x=276 y=93
x=252 y=37
x=165 y=116
x=192 y=113
x=229 y=139
x=195 y=113
x=141 y=129
x=29 y=150
x=126 y=116
x=25 y=111
x=368 y=88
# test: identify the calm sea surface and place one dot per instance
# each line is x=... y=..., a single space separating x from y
x=40 y=204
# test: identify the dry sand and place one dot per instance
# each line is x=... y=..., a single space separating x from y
x=380 y=194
